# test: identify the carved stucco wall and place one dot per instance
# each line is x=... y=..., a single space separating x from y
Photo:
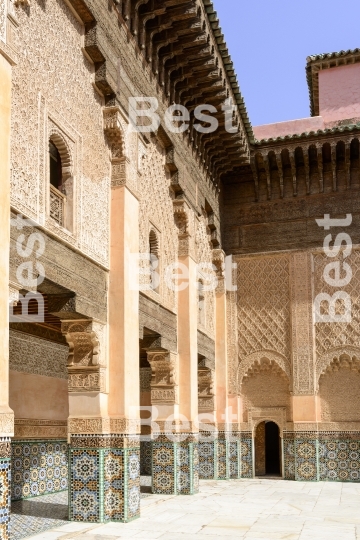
x=204 y=256
x=52 y=90
x=339 y=396
x=263 y=312
x=265 y=389
x=156 y=212
x=333 y=339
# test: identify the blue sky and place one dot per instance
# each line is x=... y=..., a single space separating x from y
x=269 y=41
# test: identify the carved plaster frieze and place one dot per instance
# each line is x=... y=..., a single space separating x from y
x=40 y=429
x=106 y=425
x=164 y=386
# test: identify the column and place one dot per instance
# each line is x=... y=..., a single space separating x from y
x=165 y=408
x=104 y=421
x=181 y=451
x=6 y=414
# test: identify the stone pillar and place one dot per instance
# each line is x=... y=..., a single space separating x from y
x=6 y=414
x=178 y=450
x=104 y=420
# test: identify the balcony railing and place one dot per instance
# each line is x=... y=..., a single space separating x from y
x=57 y=205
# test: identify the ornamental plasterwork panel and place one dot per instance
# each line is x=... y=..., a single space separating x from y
x=66 y=97
x=334 y=335
x=30 y=354
x=263 y=305
x=156 y=207
x=204 y=254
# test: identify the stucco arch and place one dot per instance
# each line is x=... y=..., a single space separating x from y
x=256 y=358
x=59 y=141
x=341 y=356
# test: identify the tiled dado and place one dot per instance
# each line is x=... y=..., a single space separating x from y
x=228 y=456
x=104 y=478
x=5 y=479
x=38 y=468
x=175 y=465
x=313 y=456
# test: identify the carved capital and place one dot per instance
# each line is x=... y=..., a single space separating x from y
x=85 y=372
x=206 y=395
x=164 y=387
x=181 y=216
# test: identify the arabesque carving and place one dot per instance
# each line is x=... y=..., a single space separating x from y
x=206 y=395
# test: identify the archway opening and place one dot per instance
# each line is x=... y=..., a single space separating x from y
x=267 y=449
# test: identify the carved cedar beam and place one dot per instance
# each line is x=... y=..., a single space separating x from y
x=281 y=173
x=320 y=167
x=293 y=170
x=305 y=152
x=333 y=166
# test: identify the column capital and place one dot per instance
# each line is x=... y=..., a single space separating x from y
x=164 y=387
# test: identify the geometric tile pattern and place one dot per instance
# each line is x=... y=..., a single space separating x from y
x=164 y=465
x=306 y=458
x=5 y=479
x=289 y=456
x=175 y=466
x=246 y=452
x=234 y=458
x=145 y=457
x=38 y=468
x=214 y=457
x=331 y=456
x=105 y=481
x=339 y=460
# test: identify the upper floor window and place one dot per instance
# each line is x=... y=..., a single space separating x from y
x=154 y=261
x=61 y=183
x=55 y=166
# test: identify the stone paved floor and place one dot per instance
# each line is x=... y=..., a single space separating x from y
x=250 y=509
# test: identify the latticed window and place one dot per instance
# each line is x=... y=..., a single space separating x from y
x=57 y=197
x=154 y=261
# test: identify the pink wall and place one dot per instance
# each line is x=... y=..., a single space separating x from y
x=38 y=397
x=291 y=127
x=339 y=93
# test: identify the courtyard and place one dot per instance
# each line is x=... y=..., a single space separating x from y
x=252 y=509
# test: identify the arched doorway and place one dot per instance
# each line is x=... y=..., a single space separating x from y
x=267 y=449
